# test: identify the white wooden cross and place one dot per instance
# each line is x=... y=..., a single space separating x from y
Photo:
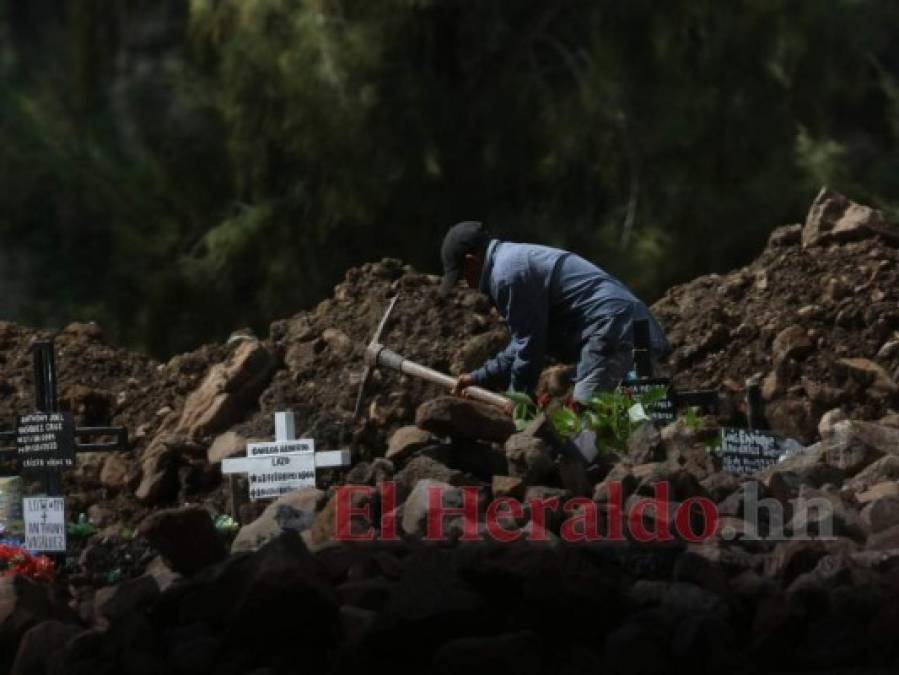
x=285 y=465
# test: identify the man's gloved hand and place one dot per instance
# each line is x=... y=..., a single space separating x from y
x=464 y=381
x=573 y=405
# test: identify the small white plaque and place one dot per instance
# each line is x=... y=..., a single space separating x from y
x=280 y=447
x=286 y=464
x=274 y=475
x=45 y=524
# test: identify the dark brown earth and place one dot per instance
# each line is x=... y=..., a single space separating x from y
x=814 y=318
x=322 y=352
x=844 y=297
x=100 y=383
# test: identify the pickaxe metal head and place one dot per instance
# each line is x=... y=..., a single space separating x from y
x=371 y=355
x=377 y=355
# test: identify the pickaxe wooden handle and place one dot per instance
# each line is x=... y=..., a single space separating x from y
x=377 y=355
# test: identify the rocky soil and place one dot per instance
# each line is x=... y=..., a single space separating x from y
x=159 y=590
x=815 y=318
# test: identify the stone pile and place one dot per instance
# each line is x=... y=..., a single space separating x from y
x=799 y=573
x=291 y=596
x=815 y=318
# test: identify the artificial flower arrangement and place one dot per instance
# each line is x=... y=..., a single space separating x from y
x=15 y=559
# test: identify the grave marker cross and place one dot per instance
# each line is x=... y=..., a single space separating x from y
x=45 y=379
x=287 y=464
x=664 y=411
x=742 y=451
x=45 y=441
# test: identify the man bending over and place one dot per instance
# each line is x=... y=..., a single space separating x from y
x=554 y=303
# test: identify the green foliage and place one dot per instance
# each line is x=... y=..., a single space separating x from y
x=225 y=170
x=713 y=445
x=691 y=418
x=525 y=409
x=654 y=395
x=565 y=421
x=607 y=415
x=225 y=524
x=114 y=576
x=81 y=528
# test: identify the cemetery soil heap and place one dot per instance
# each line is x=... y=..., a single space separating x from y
x=814 y=318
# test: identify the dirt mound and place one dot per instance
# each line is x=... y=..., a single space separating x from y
x=815 y=318
x=322 y=352
x=101 y=384
x=311 y=363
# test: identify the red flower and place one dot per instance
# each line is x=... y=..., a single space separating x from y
x=16 y=560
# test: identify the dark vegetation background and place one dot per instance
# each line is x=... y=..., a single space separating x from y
x=175 y=169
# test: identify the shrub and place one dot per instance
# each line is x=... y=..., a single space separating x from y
x=608 y=415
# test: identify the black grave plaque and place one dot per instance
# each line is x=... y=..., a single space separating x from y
x=663 y=411
x=45 y=441
x=746 y=451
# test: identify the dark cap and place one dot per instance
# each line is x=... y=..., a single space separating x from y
x=462 y=238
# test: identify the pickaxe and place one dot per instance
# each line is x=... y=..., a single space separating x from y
x=572 y=465
x=377 y=355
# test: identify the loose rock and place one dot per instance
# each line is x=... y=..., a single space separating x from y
x=294 y=511
x=452 y=416
x=185 y=536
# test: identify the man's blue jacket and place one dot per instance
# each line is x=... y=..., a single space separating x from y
x=552 y=301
